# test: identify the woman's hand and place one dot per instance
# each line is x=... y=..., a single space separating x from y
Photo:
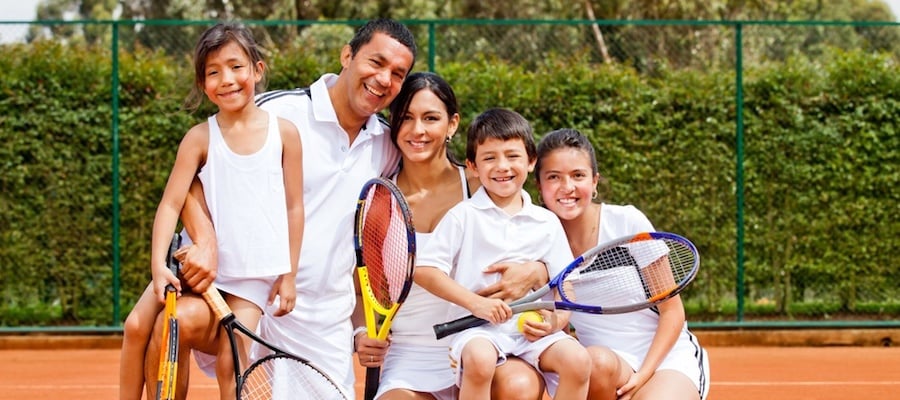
x=370 y=352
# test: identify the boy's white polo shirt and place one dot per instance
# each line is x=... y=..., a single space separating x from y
x=476 y=233
x=334 y=171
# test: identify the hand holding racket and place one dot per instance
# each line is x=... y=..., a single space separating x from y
x=623 y=275
x=168 y=352
x=385 y=243
x=279 y=375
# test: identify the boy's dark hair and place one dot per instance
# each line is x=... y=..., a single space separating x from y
x=562 y=139
x=388 y=27
x=413 y=84
x=502 y=124
x=211 y=41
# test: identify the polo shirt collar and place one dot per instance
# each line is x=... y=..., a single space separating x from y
x=323 y=110
x=481 y=200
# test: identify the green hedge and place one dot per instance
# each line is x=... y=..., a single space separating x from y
x=821 y=173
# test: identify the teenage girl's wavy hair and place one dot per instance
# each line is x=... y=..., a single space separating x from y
x=502 y=124
x=387 y=26
x=414 y=83
x=211 y=41
x=563 y=139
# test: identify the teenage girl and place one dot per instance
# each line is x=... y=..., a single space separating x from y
x=647 y=354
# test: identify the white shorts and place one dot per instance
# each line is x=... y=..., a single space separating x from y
x=418 y=368
x=688 y=359
x=505 y=344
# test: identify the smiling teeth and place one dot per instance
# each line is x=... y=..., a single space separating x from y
x=373 y=91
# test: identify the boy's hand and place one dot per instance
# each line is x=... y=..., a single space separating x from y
x=285 y=288
x=494 y=310
x=534 y=330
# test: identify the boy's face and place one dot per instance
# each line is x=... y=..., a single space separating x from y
x=502 y=166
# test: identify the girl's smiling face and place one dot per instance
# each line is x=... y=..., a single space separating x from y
x=566 y=182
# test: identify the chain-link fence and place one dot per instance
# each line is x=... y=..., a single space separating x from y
x=772 y=250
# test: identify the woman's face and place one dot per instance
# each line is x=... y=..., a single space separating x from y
x=567 y=182
x=425 y=128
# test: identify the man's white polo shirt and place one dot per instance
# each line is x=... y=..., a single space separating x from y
x=333 y=173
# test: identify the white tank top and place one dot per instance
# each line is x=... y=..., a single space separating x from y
x=422 y=310
x=246 y=199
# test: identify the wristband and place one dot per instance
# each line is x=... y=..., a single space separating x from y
x=356 y=332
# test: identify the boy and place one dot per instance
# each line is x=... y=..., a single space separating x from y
x=499 y=223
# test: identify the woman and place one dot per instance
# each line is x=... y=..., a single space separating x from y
x=647 y=354
x=424 y=118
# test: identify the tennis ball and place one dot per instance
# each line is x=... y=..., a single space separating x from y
x=528 y=316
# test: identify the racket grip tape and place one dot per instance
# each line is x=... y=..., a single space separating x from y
x=448 y=328
x=373 y=377
x=217 y=303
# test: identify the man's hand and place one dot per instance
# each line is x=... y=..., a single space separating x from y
x=517 y=279
x=199 y=262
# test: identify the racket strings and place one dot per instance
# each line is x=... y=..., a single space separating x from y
x=628 y=274
x=284 y=377
x=385 y=246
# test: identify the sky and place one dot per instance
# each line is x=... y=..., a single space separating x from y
x=24 y=10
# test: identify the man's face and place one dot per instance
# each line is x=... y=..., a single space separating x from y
x=375 y=74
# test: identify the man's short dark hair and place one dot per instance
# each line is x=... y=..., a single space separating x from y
x=388 y=27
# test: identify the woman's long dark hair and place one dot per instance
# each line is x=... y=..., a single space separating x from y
x=413 y=84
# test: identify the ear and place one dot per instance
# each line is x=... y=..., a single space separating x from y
x=346 y=56
x=472 y=167
x=453 y=125
x=531 y=165
x=260 y=70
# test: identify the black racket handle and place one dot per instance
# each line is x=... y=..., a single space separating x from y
x=171 y=262
x=448 y=328
x=373 y=377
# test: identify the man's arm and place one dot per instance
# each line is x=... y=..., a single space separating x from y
x=200 y=261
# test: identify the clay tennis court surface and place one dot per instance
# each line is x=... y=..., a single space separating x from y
x=738 y=373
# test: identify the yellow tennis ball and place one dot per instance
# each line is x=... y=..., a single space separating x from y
x=528 y=316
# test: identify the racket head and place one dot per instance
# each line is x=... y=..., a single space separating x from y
x=283 y=376
x=628 y=274
x=385 y=243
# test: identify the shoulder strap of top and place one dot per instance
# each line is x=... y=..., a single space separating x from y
x=466 y=190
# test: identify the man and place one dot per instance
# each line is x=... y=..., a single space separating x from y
x=346 y=145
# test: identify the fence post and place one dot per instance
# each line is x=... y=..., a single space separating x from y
x=115 y=173
x=431 y=46
x=739 y=166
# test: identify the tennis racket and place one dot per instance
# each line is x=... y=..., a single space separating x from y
x=623 y=275
x=168 y=350
x=385 y=243
x=278 y=375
